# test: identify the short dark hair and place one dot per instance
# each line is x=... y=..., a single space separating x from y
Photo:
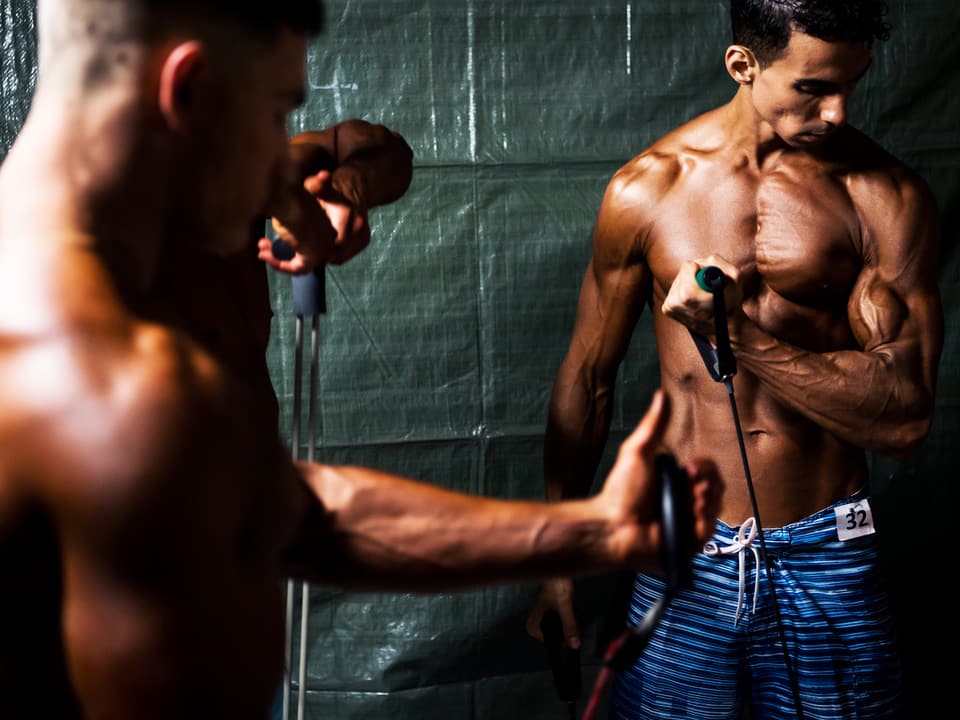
x=765 y=26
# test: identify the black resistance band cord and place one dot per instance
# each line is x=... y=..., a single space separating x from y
x=676 y=516
x=722 y=367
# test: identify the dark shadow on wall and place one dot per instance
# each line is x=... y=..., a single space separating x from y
x=914 y=504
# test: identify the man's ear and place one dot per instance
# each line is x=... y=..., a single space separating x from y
x=741 y=64
x=180 y=77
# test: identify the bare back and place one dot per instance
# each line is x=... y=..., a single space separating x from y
x=141 y=523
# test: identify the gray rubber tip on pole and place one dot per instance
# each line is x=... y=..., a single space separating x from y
x=310 y=293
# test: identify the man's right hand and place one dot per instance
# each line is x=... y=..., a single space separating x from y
x=332 y=179
x=691 y=305
x=321 y=224
x=630 y=497
x=631 y=494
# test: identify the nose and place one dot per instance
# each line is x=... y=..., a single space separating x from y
x=833 y=110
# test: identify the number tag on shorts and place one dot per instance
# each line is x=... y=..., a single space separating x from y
x=854 y=520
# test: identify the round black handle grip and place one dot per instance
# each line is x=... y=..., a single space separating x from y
x=676 y=514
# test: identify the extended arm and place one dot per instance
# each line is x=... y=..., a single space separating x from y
x=383 y=532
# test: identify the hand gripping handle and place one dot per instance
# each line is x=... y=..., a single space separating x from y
x=310 y=290
x=724 y=365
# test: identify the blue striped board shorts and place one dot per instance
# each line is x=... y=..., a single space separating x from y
x=717 y=646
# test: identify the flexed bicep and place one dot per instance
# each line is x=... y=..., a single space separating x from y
x=895 y=310
x=877 y=395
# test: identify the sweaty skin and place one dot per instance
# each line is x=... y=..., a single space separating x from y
x=834 y=312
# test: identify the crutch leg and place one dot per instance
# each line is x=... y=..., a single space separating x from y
x=309 y=299
x=295 y=451
x=311 y=444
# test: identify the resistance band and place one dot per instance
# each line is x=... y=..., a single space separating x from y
x=722 y=366
x=677 y=522
x=678 y=543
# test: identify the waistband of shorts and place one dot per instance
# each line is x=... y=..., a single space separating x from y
x=818 y=527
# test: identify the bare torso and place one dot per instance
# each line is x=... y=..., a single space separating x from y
x=87 y=511
x=794 y=228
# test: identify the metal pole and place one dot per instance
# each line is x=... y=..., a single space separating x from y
x=309 y=298
x=295 y=452
x=312 y=434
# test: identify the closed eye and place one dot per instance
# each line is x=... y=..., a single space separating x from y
x=819 y=89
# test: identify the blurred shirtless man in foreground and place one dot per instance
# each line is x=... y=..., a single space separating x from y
x=147 y=513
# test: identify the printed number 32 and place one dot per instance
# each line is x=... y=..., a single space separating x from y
x=857 y=517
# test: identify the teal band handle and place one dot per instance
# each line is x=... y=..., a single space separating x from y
x=710 y=278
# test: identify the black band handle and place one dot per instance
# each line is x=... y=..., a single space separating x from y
x=678 y=542
x=711 y=279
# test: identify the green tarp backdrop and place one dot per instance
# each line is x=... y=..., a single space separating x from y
x=440 y=343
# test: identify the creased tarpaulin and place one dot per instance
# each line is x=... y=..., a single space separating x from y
x=441 y=341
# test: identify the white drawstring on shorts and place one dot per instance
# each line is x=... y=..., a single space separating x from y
x=743 y=542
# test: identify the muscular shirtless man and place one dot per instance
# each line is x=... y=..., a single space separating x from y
x=148 y=513
x=829 y=245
